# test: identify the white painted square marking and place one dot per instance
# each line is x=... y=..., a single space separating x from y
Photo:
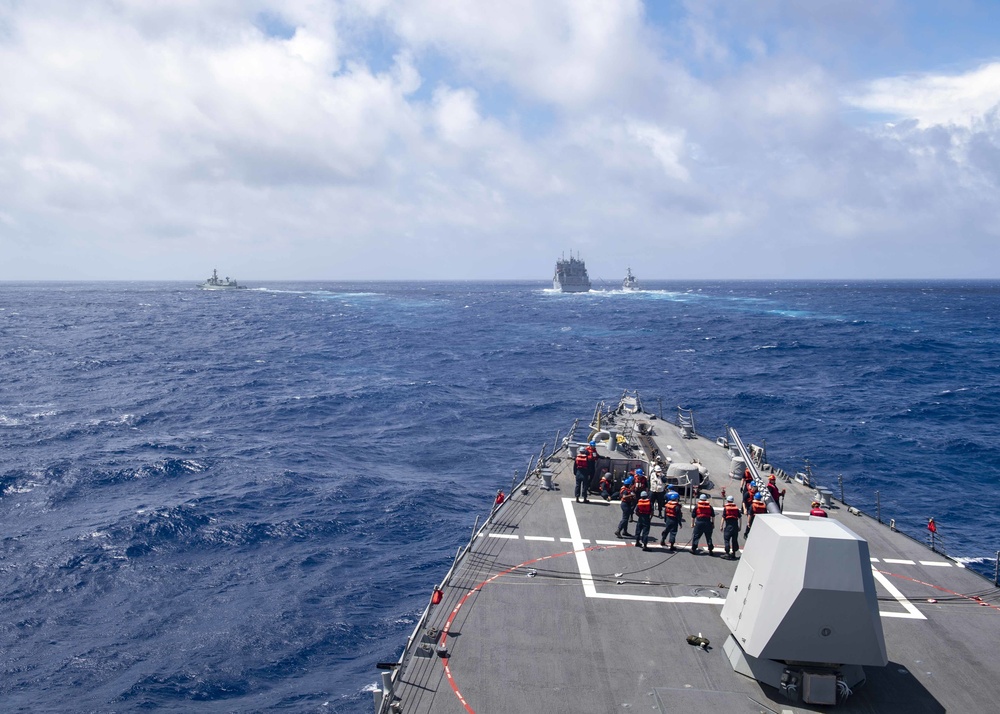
x=587 y=579
x=912 y=613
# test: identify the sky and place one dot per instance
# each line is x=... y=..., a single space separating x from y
x=467 y=139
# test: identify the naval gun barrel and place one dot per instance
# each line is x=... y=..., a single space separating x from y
x=734 y=438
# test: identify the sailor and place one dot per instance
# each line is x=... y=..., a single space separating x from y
x=581 y=469
x=772 y=488
x=641 y=481
x=628 y=505
x=748 y=494
x=747 y=481
x=630 y=482
x=817 y=511
x=757 y=506
x=731 y=527
x=644 y=510
x=673 y=516
x=657 y=490
x=605 y=485
x=704 y=517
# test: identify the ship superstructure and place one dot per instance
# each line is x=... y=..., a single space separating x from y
x=571 y=276
x=546 y=610
x=630 y=282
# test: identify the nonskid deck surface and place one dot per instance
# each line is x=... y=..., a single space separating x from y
x=551 y=612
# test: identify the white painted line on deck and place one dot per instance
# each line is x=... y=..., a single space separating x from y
x=609 y=542
x=581 y=555
x=574 y=541
x=587 y=577
x=912 y=613
x=874 y=560
x=938 y=563
x=549 y=539
x=508 y=536
x=898 y=561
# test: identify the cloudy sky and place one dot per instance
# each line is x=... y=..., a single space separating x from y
x=454 y=139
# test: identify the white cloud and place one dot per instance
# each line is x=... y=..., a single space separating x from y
x=960 y=100
x=567 y=52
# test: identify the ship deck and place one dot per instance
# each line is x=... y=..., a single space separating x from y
x=549 y=611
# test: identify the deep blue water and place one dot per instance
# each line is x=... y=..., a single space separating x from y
x=240 y=501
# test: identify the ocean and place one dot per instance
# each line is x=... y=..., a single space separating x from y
x=240 y=501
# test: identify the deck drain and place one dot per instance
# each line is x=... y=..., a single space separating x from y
x=706 y=592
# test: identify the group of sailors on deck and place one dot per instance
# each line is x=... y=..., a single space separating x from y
x=642 y=496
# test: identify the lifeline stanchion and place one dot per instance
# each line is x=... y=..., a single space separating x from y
x=475 y=527
x=878 y=506
x=840 y=478
x=996 y=570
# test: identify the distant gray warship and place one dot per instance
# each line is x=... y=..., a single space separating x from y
x=546 y=610
x=217 y=283
x=571 y=276
x=630 y=282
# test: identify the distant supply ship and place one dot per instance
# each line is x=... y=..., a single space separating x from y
x=630 y=282
x=571 y=276
x=217 y=283
x=820 y=607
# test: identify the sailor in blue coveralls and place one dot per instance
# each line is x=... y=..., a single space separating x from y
x=673 y=516
x=581 y=469
x=704 y=517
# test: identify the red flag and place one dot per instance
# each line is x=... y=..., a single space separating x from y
x=931 y=525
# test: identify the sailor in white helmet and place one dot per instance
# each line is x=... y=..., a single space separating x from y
x=704 y=522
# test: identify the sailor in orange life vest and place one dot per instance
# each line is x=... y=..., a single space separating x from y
x=581 y=469
x=757 y=506
x=628 y=505
x=704 y=522
x=605 y=485
x=644 y=510
x=641 y=482
x=817 y=511
x=731 y=527
x=673 y=516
